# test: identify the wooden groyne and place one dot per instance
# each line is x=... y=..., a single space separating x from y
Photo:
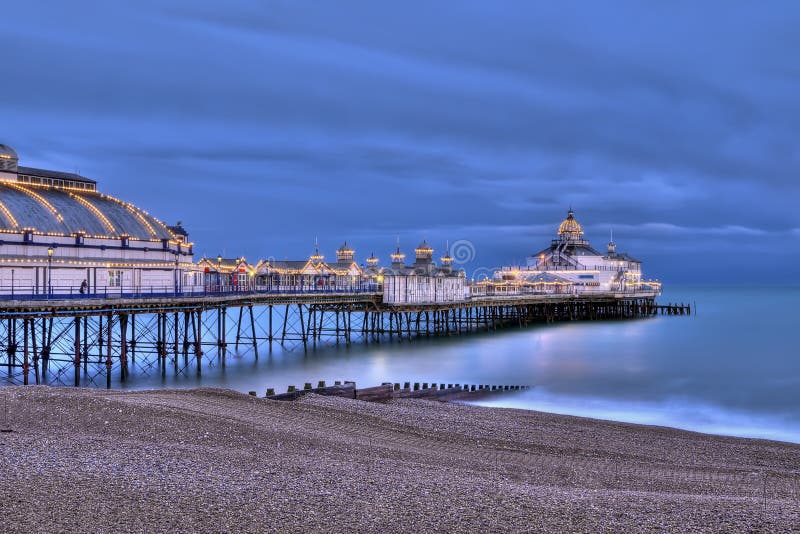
x=388 y=391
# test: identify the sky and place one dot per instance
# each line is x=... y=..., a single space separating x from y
x=264 y=125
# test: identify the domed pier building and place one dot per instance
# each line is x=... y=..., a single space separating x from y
x=571 y=264
x=60 y=236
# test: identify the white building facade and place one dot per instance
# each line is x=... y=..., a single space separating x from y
x=423 y=282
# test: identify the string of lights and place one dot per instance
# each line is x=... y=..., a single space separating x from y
x=99 y=214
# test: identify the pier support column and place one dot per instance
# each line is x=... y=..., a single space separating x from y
x=35 y=352
x=77 y=354
x=239 y=328
x=197 y=325
x=302 y=327
x=123 y=349
x=11 y=344
x=109 y=363
x=25 y=361
x=253 y=329
x=269 y=337
x=133 y=338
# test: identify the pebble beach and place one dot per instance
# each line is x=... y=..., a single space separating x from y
x=213 y=460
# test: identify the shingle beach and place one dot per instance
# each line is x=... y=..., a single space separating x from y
x=210 y=460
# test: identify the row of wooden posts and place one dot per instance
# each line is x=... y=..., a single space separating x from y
x=389 y=390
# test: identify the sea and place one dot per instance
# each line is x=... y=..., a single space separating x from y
x=731 y=368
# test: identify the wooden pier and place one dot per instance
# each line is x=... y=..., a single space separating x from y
x=92 y=342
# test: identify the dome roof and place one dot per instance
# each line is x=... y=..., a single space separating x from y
x=6 y=152
x=61 y=211
x=424 y=246
x=345 y=248
x=570 y=228
x=9 y=160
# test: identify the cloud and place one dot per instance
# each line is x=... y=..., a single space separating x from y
x=263 y=125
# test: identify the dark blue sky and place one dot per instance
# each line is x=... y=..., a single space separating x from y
x=262 y=124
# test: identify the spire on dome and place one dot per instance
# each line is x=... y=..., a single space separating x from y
x=612 y=248
x=316 y=257
x=447 y=259
x=398 y=257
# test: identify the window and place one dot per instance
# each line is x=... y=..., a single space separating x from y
x=114 y=278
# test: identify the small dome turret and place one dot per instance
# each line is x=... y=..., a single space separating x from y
x=570 y=229
x=398 y=258
x=447 y=259
x=424 y=251
x=345 y=254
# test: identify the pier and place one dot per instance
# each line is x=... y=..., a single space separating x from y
x=93 y=288
x=94 y=341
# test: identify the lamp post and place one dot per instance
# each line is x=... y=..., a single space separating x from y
x=219 y=271
x=50 y=252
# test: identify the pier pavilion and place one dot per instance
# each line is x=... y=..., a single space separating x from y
x=60 y=235
x=423 y=281
x=571 y=264
x=226 y=274
x=312 y=274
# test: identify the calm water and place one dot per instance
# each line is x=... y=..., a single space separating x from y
x=733 y=368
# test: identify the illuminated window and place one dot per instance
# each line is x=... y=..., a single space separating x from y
x=114 y=278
